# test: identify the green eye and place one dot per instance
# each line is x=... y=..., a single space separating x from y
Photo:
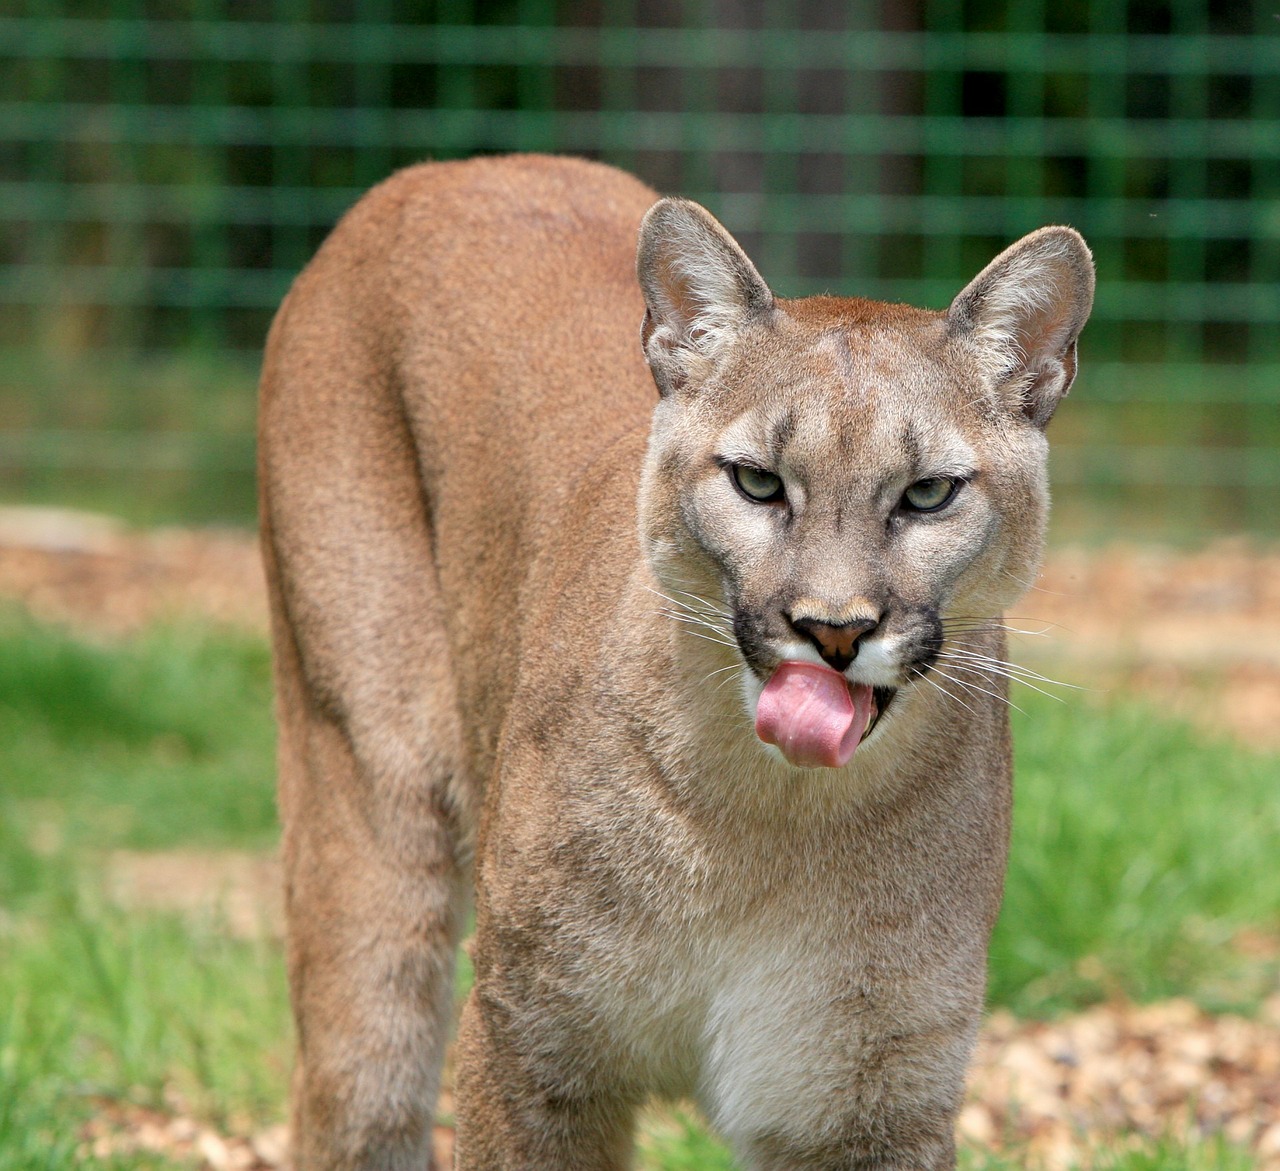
x=930 y=495
x=757 y=484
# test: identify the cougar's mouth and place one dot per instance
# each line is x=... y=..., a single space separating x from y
x=815 y=716
x=882 y=697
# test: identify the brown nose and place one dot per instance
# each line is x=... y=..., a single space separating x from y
x=837 y=643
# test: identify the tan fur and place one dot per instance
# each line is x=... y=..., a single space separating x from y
x=505 y=574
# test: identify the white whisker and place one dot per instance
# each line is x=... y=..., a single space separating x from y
x=694 y=620
x=986 y=669
x=969 y=685
x=1031 y=585
x=950 y=695
x=1006 y=668
x=708 y=604
x=972 y=625
x=712 y=638
x=729 y=678
x=711 y=620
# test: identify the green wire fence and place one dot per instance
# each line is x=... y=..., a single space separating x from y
x=167 y=166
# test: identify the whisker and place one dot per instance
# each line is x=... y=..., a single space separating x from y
x=957 y=649
x=1031 y=585
x=950 y=695
x=1031 y=680
x=1026 y=683
x=1004 y=666
x=728 y=679
x=977 y=669
x=1016 y=677
x=969 y=625
x=951 y=641
x=1022 y=581
x=724 y=642
x=683 y=612
x=708 y=603
x=682 y=607
x=995 y=619
x=969 y=685
x=951 y=638
x=718 y=641
x=697 y=615
x=695 y=620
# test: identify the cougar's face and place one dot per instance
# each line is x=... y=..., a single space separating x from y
x=842 y=492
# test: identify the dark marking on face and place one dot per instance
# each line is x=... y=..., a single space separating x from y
x=751 y=629
x=928 y=641
x=912 y=447
x=843 y=354
x=783 y=429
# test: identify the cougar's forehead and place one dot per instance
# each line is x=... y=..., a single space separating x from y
x=850 y=402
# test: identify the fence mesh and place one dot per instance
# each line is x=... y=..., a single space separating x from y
x=167 y=166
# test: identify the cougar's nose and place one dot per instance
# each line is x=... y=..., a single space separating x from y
x=837 y=643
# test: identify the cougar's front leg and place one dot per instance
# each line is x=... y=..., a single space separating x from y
x=931 y=1150
x=894 y=1110
x=510 y=1119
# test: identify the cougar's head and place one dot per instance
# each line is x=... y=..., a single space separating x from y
x=838 y=489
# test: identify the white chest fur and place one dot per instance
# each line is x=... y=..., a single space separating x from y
x=731 y=1017
x=778 y=1020
x=776 y=1045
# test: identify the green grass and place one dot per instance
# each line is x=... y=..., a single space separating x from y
x=1160 y=1156
x=162 y=741
x=673 y=1140
x=100 y=1003
x=103 y=1006
x=1139 y=850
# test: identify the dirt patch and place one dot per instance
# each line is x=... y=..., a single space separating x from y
x=1121 y=1072
x=235 y=890
x=1197 y=632
x=118 y=1129
x=94 y=574
x=121 y=1130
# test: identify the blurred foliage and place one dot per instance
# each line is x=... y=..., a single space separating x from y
x=168 y=166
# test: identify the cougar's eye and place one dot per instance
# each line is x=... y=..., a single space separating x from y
x=757 y=484
x=930 y=495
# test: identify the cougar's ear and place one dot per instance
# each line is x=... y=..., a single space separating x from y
x=1024 y=311
x=699 y=289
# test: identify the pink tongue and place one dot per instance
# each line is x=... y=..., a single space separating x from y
x=813 y=714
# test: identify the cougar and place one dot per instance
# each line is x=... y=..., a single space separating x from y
x=666 y=615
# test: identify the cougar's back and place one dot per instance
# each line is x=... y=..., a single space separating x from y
x=458 y=353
